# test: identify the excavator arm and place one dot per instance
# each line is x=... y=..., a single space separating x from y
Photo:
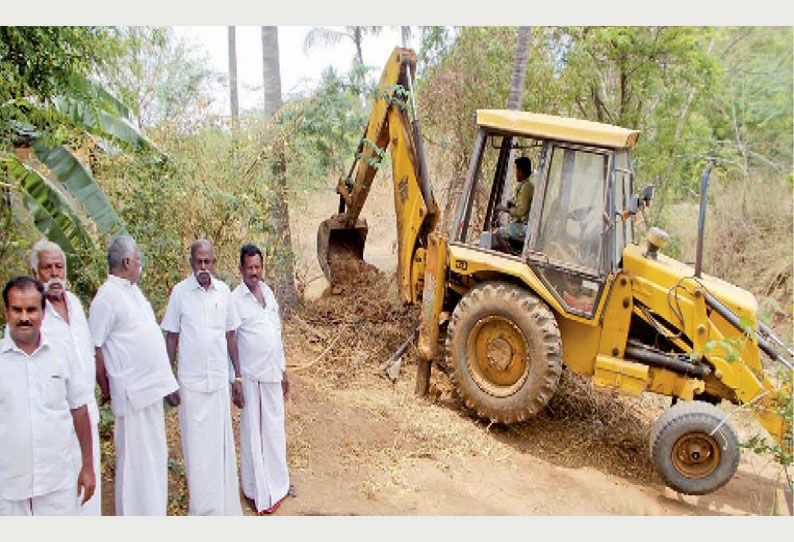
x=341 y=238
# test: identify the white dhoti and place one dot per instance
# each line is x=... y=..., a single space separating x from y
x=141 y=462
x=56 y=503
x=210 y=460
x=263 y=444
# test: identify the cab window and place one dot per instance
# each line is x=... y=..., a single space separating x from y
x=572 y=217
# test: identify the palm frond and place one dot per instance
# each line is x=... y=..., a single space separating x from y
x=322 y=35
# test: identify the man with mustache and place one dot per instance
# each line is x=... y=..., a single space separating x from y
x=200 y=319
x=518 y=210
x=44 y=404
x=133 y=373
x=263 y=443
x=65 y=322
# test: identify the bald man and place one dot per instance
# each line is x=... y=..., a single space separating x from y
x=200 y=320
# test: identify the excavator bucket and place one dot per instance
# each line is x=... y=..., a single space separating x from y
x=340 y=245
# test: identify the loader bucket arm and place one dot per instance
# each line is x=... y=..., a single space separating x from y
x=341 y=238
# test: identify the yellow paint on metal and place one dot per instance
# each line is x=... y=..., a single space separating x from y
x=470 y=261
x=666 y=382
x=409 y=205
x=560 y=128
x=376 y=132
x=579 y=345
x=498 y=352
x=435 y=281
x=670 y=290
x=617 y=317
x=580 y=336
x=626 y=376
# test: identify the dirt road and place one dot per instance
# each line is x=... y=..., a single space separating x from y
x=360 y=445
x=371 y=448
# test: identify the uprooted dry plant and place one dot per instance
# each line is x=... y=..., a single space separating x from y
x=363 y=319
x=364 y=322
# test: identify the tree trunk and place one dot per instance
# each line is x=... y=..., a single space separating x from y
x=271 y=70
x=279 y=212
x=515 y=98
x=519 y=67
x=233 y=99
x=358 y=35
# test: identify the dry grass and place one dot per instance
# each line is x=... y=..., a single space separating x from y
x=582 y=426
x=749 y=241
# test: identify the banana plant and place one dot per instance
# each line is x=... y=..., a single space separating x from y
x=52 y=214
x=64 y=210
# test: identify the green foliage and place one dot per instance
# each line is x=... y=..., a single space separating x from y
x=693 y=92
x=730 y=350
x=784 y=407
x=322 y=131
x=177 y=498
x=212 y=186
x=49 y=104
x=752 y=116
x=436 y=42
x=38 y=63
x=106 y=422
x=164 y=80
x=474 y=74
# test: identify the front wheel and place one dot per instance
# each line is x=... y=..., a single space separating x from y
x=694 y=448
x=505 y=352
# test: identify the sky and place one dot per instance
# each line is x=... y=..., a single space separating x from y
x=300 y=71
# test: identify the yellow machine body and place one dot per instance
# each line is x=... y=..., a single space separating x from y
x=435 y=270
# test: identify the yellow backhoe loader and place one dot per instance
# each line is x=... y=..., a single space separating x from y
x=576 y=291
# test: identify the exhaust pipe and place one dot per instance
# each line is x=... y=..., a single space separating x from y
x=704 y=185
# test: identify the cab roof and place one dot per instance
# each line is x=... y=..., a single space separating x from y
x=542 y=126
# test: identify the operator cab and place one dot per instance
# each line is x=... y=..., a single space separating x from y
x=577 y=226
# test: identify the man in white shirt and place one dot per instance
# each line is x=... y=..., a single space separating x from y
x=65 y=322
x=200 y=320
x=43 y=404
x=263 y=443
x=133 y=373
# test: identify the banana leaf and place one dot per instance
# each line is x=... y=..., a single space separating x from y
x=82 y=86
x=103 y=124
x=80 y=184
x=51 y=213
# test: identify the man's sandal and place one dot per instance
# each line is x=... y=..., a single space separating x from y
x=272 y=509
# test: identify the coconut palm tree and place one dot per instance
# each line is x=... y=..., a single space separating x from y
x=285 y=283
x=322 y=35
x=519 y=67
x=516 y=95
x=234 y=103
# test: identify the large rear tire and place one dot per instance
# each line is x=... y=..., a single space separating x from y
x=504 y=351
x=694 y=448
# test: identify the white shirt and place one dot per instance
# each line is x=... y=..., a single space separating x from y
x=74 y=335
x=201 y=317
x=122 y=323
x=259 y=335
x=37 y=394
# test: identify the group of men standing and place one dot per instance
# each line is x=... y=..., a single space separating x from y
x=51 y=355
